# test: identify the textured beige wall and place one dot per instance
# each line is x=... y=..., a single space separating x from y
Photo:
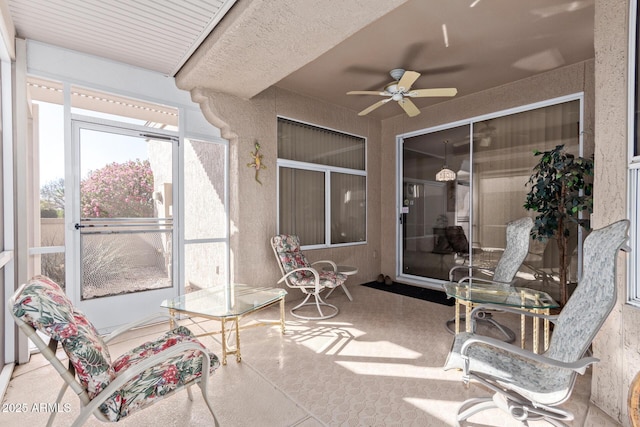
x=253 y=207
x=564 y=81
x=618 y=343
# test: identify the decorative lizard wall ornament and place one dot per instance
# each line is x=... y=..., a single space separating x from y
x=257 y=161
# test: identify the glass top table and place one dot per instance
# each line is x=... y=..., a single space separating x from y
x=492 y=294
x=227 y=305
x=470 y=294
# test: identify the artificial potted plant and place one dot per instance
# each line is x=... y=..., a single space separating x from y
x=561 y=193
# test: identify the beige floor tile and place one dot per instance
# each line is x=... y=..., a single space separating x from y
x=378 y=363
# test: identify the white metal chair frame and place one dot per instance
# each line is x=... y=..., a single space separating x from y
x=314 y=288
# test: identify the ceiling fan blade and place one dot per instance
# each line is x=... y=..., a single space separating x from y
x=407 y=79
x=366 y=92
x=422 y=93
x=409 y=107
x=373 y=107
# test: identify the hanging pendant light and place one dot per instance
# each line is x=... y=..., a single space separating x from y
x=445 y=173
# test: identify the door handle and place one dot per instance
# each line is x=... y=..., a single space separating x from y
x=78 y=226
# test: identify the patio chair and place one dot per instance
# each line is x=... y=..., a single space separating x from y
x=298 y=273
x=110 y=390
x=504 y=273
x=530 y=386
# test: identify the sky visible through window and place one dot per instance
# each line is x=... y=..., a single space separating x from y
x=104 y=148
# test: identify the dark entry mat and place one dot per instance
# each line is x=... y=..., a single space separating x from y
x=439 y=297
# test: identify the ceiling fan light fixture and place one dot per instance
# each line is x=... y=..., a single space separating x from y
x=445 y=175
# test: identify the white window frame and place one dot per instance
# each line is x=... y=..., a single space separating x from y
x=633 y=284
x=327 y=170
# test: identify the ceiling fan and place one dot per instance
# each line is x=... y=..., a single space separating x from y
x=399 y=90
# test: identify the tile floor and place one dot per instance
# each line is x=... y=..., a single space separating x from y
x=378 y=363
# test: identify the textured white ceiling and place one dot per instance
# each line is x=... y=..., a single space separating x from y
x=158 y=35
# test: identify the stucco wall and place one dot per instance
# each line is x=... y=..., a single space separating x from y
x=618 y=343
x=563 y=81
x=253 y=207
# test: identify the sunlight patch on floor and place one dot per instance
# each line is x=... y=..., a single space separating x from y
x=397 y=370
x=344 y=341
x=325 y=339
x=385 y=349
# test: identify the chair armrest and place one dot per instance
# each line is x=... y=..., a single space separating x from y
x=468 y=268
x=152 y=361
x=316 y=277
x=484 y=281
x=578 y=366
x=135 y=324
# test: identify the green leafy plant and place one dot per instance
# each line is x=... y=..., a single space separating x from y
x=561 y=192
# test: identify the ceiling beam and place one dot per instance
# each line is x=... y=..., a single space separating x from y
x=259 y=42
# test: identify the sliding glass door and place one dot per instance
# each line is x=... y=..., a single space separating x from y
x=449 y=217
x=433 y=207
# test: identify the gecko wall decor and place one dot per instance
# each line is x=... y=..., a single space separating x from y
x=257 y=161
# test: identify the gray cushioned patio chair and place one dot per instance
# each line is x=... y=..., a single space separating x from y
x=530 y=386
x=504 y=273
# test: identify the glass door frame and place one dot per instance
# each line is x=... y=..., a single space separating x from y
x=130 y=306
x=433 y=283
x=430 y=283
x=179 y=222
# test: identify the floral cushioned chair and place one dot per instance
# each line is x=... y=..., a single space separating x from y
x=298 y=273
x=109 y=390
x=530 y=386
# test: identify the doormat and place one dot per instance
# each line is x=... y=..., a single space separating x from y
x=439 y=297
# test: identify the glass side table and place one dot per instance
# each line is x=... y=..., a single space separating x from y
x=470 y=294
x=231 y=305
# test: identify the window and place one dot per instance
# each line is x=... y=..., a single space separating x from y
x=322 y=183
x=634 y=156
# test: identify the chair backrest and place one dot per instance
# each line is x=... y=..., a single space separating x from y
x=457 y=239
x=594 y=297
x=518 y=237
x=286 y=248
x=43 y=306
